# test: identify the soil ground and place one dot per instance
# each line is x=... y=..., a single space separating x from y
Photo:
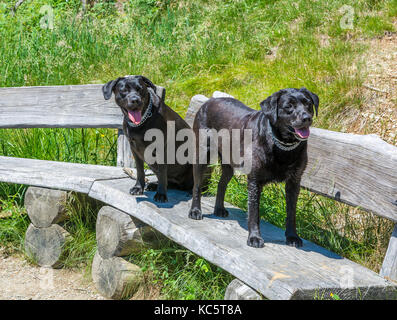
x=20 y=280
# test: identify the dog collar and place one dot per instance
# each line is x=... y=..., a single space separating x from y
x=285 y=146
x=148 y=113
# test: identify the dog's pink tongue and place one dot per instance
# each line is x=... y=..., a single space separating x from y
x=303 y=133
x=135 y=116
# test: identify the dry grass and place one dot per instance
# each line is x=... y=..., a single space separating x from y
x=366 y=228
x=378 y=113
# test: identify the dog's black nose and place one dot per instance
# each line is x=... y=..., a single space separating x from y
x=133 y=100
x=307 y=119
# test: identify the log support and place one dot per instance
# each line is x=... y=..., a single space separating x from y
x=44 y=237
x=118 y=235
x=238 y=290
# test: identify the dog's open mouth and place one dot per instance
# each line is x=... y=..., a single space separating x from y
x=300 y=133
x=135 y=116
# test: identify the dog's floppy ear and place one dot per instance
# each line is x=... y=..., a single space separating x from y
x=154 y=88
x=270 y=106
x=313 y=97
x=148 y=83
x=107 y=88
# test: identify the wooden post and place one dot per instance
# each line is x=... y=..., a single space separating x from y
x=195 y=103
x=118 y=234
x=44 y=238
x=389 y=266
x=124 y=154
x=160 y=91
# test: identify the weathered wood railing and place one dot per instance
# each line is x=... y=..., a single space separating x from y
x=358 y=170
x=79 y=106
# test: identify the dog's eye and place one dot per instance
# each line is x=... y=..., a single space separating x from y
x=289 y=108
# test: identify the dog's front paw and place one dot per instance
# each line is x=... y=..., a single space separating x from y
x=195 y=214
x=136 y=190
x=255 y=241
x=294 y=241
x=160 y=197
x=221 y=212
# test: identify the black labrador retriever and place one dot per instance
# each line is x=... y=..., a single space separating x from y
x=279 y=151
x=143 y=109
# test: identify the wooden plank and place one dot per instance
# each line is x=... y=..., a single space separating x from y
x=55 y=175
x=77 y=106
x=360 y=170
x=80 y=106
x=389 y=266
x=277 y=270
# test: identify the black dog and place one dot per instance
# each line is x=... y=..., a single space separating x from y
x=279 y=152
x=144 y=110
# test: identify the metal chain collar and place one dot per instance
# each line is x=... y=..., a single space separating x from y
x=283 y=145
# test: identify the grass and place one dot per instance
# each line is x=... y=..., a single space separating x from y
x=13 y=222
x=81 y=221
x=247 y=48
x=181 y=274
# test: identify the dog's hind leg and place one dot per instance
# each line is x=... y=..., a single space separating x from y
x=200 y=176
x=199 y=171
x=227 y=174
